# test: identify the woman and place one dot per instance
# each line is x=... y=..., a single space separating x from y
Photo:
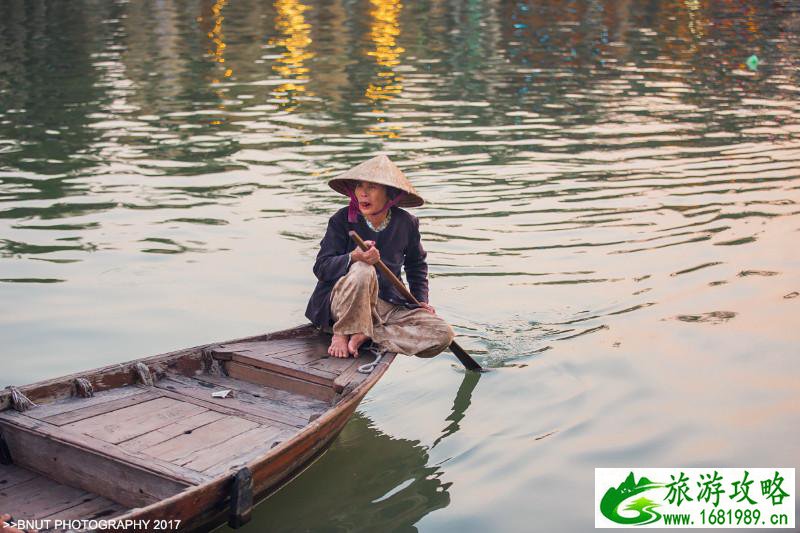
x=354 y=301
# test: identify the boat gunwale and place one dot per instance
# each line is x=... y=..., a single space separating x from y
x=127 y=367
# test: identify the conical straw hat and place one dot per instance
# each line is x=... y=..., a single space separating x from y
x=380 y=170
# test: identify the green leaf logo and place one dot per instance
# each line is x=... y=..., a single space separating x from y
x=645 y=508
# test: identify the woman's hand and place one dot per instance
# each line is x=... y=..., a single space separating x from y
x=427 y=307
x=370 y=257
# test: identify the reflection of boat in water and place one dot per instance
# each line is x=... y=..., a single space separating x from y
x=366 y=481
x=192 y=437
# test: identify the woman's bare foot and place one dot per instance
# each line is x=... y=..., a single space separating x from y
x=356 y=340
x=338 y=347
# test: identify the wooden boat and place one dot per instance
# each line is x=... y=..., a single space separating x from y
x=147 y=441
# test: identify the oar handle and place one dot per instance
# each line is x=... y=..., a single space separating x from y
x=459 y=352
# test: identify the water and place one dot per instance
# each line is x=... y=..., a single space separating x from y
x=611 y=220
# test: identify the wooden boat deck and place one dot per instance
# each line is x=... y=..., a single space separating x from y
x=25 y=491
x=132 y=445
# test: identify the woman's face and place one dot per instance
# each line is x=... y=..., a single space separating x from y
x=371 y=197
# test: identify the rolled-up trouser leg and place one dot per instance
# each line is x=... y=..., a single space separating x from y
x=353 y=300
x=411 y=331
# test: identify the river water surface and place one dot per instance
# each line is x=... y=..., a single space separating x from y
x=612 y=224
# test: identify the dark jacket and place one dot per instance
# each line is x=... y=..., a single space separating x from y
x=399 y=245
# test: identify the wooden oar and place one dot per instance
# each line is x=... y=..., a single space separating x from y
x=468 y=362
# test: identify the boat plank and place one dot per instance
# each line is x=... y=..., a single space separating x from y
x=129 y=422
x=284 y=367
x=280 y=399
x=248 y=345
x=91 y=508
x=270 y=348
x=157 y=436
x=96 y=408
x=179 y=450
x=297 y=348
x=188 y=390
x=40 y=497
x=263 y=348
x=49 y=410
x=271 y=379
x=259 y=439
x=337 y=366
x=11 y=475
x=350 y=375
x=302 y=358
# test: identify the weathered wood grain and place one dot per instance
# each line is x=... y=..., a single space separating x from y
x=182 y=449
x=302 y=357
x=28 y=495
x=279 y=366
x=312 y=349
x=11 y=475
x=129 y=422
x=180 y=427
x=349 y=375
x=91 y=464
x=97 y=408
x=261 y=348
x=245 y=456
x=66 y=405
x=259 y=439
x=40 y=497
x=188 y=390
x=280 y=381
x=336 y=365
x=92 y=507
x=280 y=399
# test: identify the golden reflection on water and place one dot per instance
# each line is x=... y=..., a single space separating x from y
x=695 y=27
x=217 y=52
x=296 y=37
x=384 y=32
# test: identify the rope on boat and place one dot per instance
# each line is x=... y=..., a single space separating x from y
x=83 y=388
x=210 y=364
x=144 y=374
x=19 y=401
x=369 y=367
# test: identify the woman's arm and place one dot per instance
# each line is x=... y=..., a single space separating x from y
x=415 y=265
x=333 y=258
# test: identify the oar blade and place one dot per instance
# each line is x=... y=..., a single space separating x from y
x=468 y=362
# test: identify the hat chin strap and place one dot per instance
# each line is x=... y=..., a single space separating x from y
x=352 y=209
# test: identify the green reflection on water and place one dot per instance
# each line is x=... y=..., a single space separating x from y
x=367 y=481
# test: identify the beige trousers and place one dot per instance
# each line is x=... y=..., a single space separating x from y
x=356 y=308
